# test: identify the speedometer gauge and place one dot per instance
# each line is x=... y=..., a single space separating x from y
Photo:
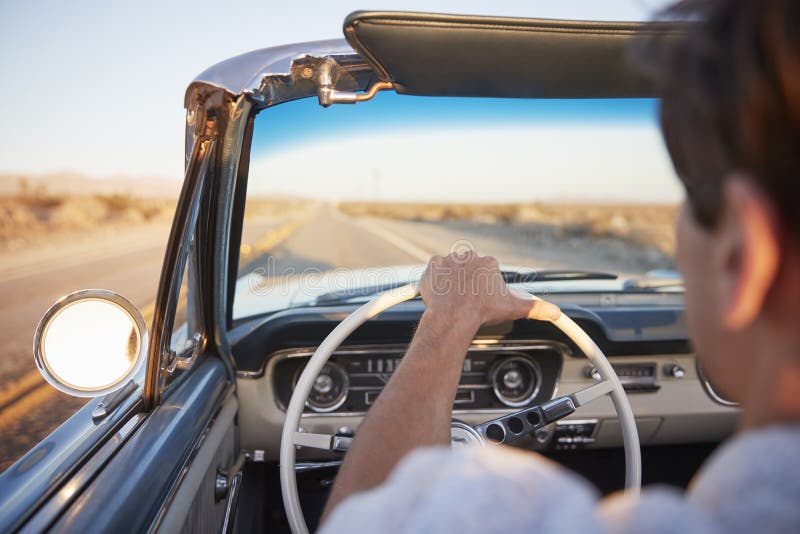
x=515 y=381
x=329 y=390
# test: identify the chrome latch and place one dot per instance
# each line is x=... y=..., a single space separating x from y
x=327 y=95
x=185 y=360
x=112 y=401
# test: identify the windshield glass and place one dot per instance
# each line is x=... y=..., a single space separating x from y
x=351 y=199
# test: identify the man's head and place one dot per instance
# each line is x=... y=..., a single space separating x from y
x=730 y=116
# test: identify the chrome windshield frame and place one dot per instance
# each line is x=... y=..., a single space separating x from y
x=229 y=95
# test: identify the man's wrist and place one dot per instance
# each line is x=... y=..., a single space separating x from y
x=451 y=324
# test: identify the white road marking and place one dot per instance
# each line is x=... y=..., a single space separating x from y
x=406 y=246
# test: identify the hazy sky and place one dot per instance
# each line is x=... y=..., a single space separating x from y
x=464 y=150
x=96 y=86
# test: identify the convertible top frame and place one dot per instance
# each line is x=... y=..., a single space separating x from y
x=459 y=55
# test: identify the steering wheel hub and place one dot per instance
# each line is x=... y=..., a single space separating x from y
x=463 y=435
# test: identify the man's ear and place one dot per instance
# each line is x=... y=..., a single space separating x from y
x=749 y=252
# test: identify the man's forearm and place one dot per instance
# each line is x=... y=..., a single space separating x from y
x=414 y=408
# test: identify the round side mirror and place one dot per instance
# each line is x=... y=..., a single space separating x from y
x=90 y=343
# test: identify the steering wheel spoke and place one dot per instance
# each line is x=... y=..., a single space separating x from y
x=592 y=393
x=313 y=441
x=325 y=442
x=521 y=423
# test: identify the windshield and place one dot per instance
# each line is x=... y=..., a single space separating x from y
x=351 y=199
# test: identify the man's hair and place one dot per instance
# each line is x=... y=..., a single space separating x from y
x=730 y=89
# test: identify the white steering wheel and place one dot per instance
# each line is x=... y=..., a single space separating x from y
x=292 y=437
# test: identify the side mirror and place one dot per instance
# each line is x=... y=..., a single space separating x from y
x=90 y=343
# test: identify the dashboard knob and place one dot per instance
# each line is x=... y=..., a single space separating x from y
x=674 y=370
x=346 y=431
x=590 y=371
x=542 y=435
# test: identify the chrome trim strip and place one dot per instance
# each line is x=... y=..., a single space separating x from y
x=477 y=346
x=62 y=499
x=226 y=175
x=301 y=467
x=175 y=257
x=230 y=506
x=566 y=422
x=488 y=411
x=710 y=390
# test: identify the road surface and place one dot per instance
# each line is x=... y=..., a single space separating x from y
x=130 y=263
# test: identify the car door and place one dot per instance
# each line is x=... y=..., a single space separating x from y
x=162 y=452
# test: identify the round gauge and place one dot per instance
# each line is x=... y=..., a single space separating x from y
x=515 y=380
x=462 y=435
x=329 y=390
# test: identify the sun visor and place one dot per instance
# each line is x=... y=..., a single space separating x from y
x=456 y=55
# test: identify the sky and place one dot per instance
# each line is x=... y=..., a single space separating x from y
x=401 y=148
x=96 y=87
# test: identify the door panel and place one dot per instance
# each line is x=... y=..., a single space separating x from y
x=195 y=507
x=131 y=492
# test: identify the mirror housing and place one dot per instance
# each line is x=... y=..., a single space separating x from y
x=90 y=343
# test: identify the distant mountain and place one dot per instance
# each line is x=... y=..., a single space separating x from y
x=71 y=183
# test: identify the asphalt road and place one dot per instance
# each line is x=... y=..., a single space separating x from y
x=130 y=264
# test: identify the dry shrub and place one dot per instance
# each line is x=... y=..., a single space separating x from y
x=34 y=214
x=280 y=208
x=36 y=197
x=649 y=225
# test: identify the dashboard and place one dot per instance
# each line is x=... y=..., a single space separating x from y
x=508 y=368
x=493 y=378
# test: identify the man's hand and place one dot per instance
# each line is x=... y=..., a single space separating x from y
x=470 y=289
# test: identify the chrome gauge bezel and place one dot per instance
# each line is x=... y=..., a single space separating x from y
x=536 y=372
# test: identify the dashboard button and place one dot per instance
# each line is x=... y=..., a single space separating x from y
x=675 y=371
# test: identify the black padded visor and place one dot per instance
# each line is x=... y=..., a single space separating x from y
x=457 y=55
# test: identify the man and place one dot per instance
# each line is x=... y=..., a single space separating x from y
x=731 y=121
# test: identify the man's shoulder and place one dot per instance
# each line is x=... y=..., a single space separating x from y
x=753 y=481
